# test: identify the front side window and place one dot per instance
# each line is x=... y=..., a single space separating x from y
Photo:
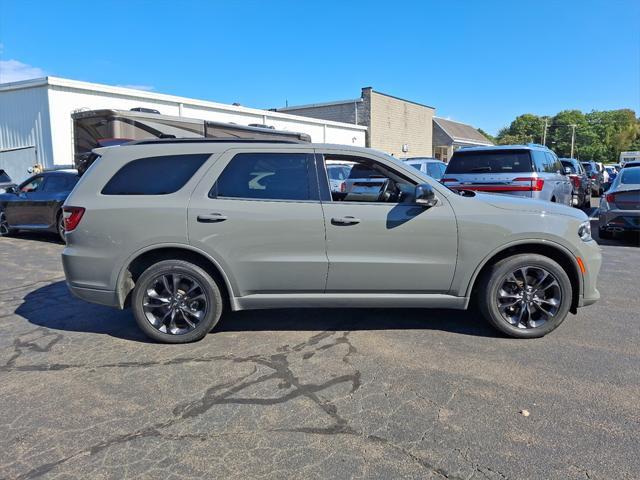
x=266 y=176
x=32 y=185
x=369 y=181
x=60 y=183
x=154 y=175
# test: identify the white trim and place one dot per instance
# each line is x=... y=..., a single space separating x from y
x=131 y=92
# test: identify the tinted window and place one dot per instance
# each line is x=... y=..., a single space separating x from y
x=60 y=183
x=553 y=165
x=630 y=175
x=154 y=175
x=4 y=177
x=496 y=161
x=588 y=167
x=268 y=176
x=417 y=166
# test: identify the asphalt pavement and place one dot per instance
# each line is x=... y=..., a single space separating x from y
x=364 y=393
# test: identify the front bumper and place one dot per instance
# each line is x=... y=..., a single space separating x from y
x=591 y=255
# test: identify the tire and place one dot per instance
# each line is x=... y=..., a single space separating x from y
x=605 y=234
x=534 y=322
x=163 y=297
x=60 y=227
x=587 y=201
x=5 y=230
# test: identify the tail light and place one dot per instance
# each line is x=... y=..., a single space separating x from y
x=536 y=183
x=72 y=217
x=576 y=180
x=611 y=198
x=343 y=187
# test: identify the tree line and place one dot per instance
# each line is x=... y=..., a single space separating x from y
x=599 y=135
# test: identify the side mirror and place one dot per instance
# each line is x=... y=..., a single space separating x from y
x=567 y=170
x=11 y=190
x=425 y=196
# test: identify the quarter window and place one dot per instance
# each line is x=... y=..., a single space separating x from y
x=266 y=176
x=154 y=175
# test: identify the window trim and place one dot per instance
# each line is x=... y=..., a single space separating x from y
x=311 y=172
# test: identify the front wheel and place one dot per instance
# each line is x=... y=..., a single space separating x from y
x=60 y=227
x=525 y=296
x=175 y=301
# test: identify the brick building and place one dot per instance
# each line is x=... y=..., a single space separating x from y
x=400 y=127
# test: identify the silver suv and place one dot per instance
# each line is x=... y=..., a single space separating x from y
x=179 y=230
x=531 y=171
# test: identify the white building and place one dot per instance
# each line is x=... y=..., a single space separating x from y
x=36 y=125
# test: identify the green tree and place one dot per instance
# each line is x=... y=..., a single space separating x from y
x=488 y=136
x=526 y=128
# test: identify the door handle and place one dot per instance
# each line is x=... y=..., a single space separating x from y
x=345 y=220
x=212 y=218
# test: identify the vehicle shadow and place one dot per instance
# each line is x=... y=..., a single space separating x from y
x=53 y=306
x=47 y=237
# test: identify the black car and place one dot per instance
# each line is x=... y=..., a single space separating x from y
x=580 y=181
x=36 y=204
x=596 y=177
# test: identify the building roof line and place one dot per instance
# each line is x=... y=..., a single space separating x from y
x=399 y=98
x=173 y=99
x=321 y=104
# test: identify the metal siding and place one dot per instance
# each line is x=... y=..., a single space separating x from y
x=24 y=122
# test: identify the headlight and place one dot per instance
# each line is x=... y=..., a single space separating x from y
x=584 y=232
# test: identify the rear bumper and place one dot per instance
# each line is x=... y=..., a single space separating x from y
x=94 y=295
x=620 y=220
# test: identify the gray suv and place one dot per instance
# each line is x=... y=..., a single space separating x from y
x=180 y=230
x=531 y=171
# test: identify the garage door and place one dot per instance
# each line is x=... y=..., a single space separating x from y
x=17 y=161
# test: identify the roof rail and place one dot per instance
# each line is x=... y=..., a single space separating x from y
x=153 y=141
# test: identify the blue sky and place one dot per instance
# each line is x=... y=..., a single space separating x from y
x=481 y=62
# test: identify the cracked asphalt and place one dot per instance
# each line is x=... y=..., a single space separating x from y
x=424 y=394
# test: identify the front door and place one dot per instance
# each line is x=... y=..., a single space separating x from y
x=22 y=209
x=385 y=242
x=258 y=214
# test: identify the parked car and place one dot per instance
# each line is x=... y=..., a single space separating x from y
x=430 y=166
x=597 y=181
x=338 y=174
x=620 y=207
x=581 y=196
x=178 y=230
x=531 y=171
x=612 y=171
x=36 y=204
x=5 y=181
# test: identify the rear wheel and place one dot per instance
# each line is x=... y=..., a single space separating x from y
x=175 y=301
x=60 y=227
x=525 y=296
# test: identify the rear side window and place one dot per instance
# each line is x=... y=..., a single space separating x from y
x=496 y=161
x=267 y=176
x=434 y=171
x=56 y=183
x=154 y=175
x=571 y=166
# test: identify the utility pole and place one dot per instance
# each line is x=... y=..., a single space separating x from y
x=573 y=138
x=544 y=133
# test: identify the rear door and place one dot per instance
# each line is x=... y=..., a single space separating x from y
x=562 y=184
x=258 y=214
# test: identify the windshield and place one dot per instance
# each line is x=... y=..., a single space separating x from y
x=631 y=175
x=492 y=161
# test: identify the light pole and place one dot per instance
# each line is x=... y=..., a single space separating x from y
x=573 y=138
x=544 y=133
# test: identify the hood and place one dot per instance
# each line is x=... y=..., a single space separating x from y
x=522 y=204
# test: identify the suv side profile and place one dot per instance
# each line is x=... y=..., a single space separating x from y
x=180 y=230
x=531 y=171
